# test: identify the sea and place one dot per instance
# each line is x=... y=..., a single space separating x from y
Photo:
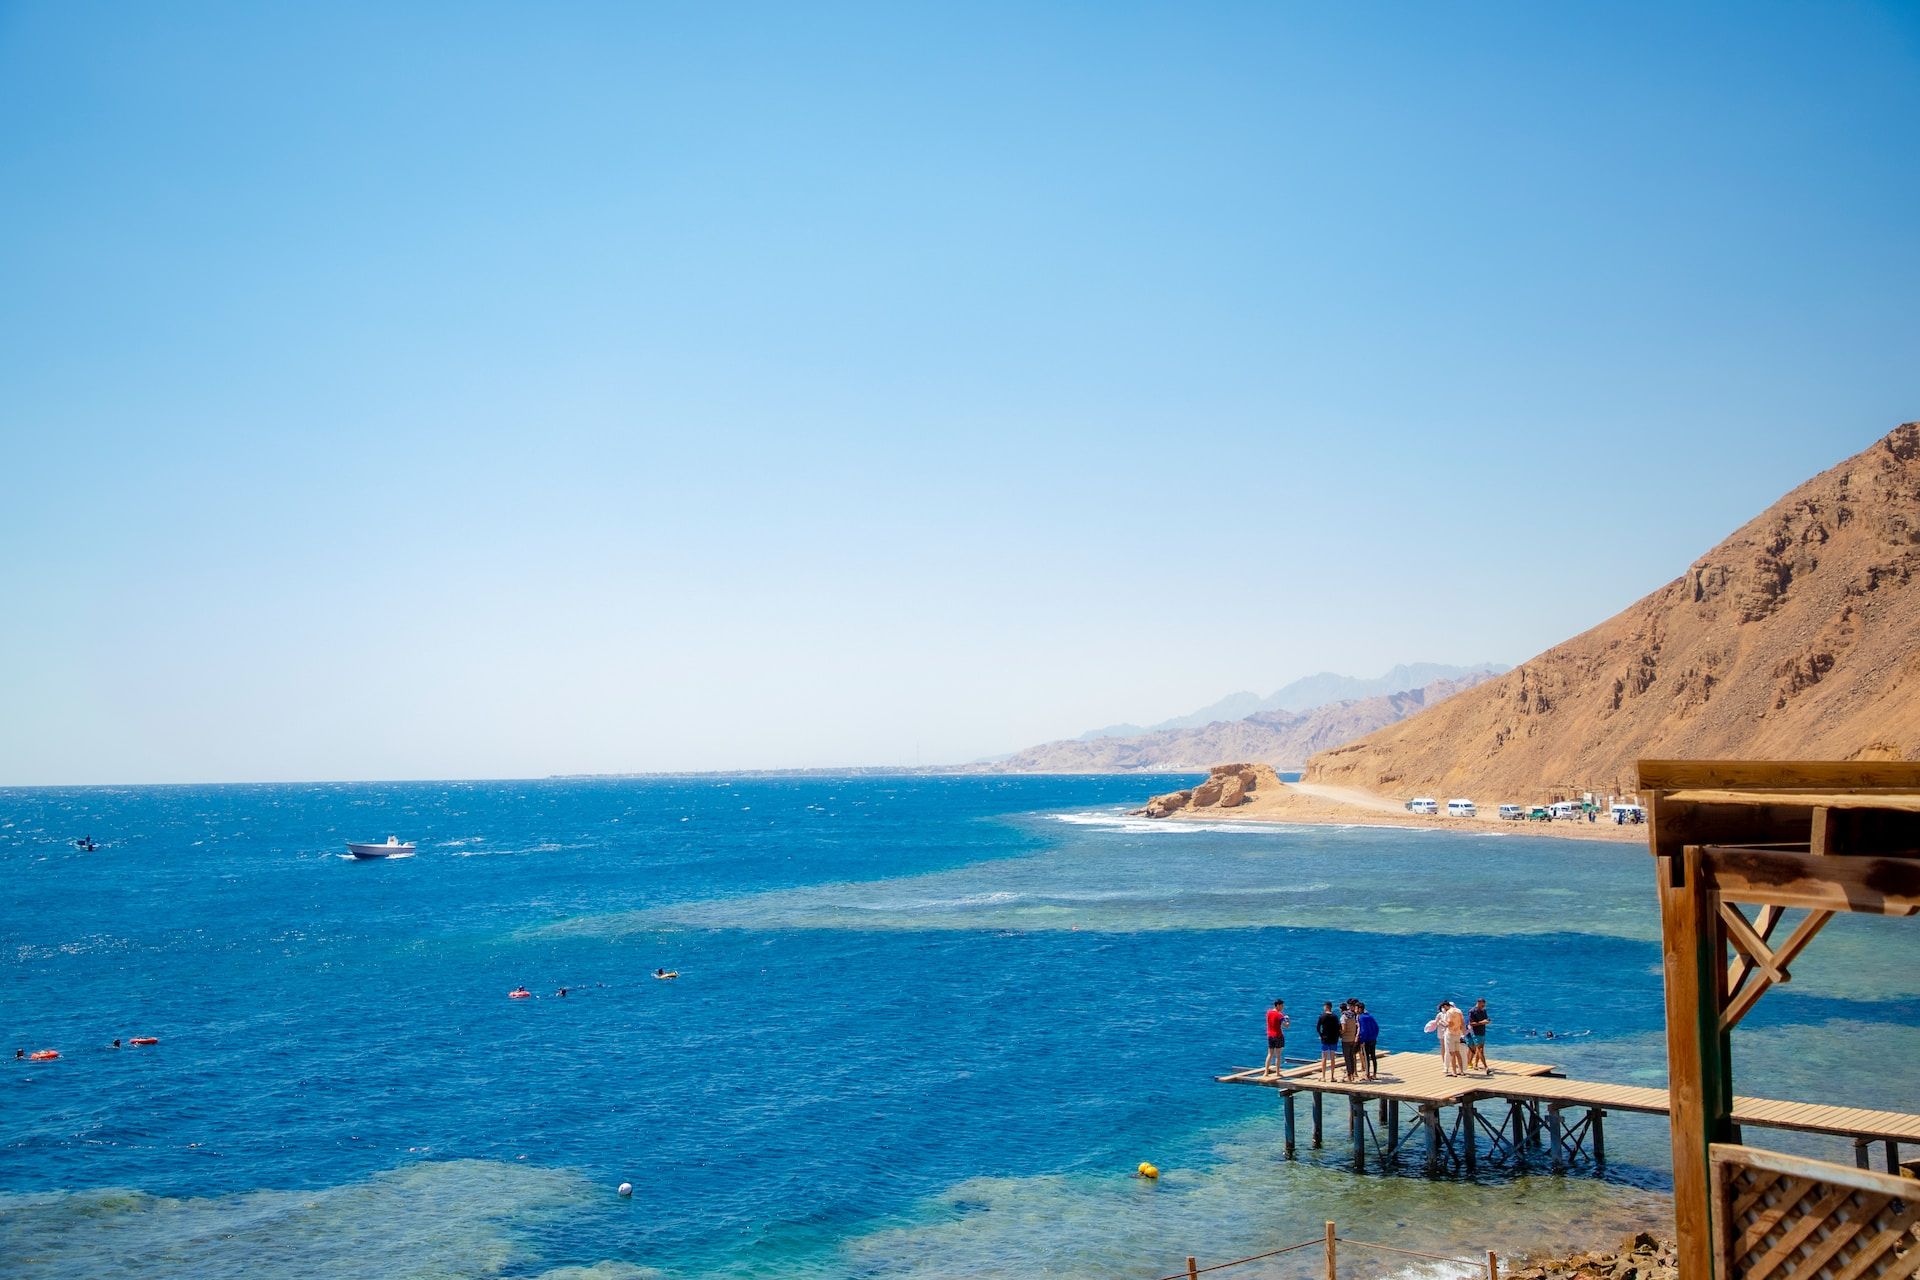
x=923 y=1027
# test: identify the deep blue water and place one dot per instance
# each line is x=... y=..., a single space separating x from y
x=924 y=1026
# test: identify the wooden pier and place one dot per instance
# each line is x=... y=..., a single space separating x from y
x=1524 y=1114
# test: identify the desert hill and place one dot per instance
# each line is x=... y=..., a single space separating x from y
x=1306 y=694
x=1797 y=637
x=1281 y=738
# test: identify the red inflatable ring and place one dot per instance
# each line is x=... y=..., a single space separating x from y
x=144 y=1040
x=43 y=1055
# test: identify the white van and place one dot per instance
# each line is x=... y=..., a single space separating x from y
x=1564 y=809
x=1423 y=804
x=1512 y=812
x=1460 y=809
x=1627 y=813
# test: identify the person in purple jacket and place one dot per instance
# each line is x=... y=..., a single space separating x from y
x=1369 y=1041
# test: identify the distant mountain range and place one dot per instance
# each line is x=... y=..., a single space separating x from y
x=1303 y=694
x=1796 y=638
x=1273 y=734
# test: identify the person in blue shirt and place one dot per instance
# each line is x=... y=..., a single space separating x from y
x=1369 y=1041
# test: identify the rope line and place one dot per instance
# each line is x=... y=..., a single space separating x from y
x=1479 y=1268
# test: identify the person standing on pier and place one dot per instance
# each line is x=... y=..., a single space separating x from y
x=1477 y=1020
x=1329 y=1028
x=1350 y=1037
x=1369 y=1041
x=1455 y=1039
x=1277 y=1021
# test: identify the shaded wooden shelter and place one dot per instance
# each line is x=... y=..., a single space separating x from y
x=1754 y=859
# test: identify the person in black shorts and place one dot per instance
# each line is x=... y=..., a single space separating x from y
x=1328 y=1026
x=1277 y=1021
x=1477 y=1019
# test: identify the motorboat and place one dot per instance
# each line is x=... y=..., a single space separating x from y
x=391 y=848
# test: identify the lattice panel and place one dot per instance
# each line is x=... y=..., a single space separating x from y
x=1777 y=1224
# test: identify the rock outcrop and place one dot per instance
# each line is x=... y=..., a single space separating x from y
x=1228 y=786
x=1797 y=637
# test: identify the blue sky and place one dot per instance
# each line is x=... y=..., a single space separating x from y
x=432 y=391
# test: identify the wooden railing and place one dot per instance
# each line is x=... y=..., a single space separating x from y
x=1472 y=1268
x=1781 y=1217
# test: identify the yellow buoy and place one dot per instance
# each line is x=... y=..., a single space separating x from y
x=1148 y=1170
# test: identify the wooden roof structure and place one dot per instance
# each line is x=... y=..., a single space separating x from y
x=1739 y=845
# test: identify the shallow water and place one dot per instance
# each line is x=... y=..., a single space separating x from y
x=926 y=1027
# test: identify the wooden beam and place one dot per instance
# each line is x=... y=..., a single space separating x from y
x=1679 y=823
x=1679 y=775
x=1807 y=1167
x=1698 y=1068
x=1739 y=1002
x=1875 y=886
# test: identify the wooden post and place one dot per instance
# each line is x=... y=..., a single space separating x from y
x=1392 y=1152
x=1554 y=1128
x=1599 y=1139
x=1893 y=1157
x=1357 y=1120
x=1466 y=1128
x=1517 y=1112
x=1317 y=1117
x=1193 y=1268
x=1287 y=1099
x=1699 y=1067
x=1533 y=1124
x=1333 y=1269
x=1430 y=1115
x=1493 y=1265
x=1862 y=1153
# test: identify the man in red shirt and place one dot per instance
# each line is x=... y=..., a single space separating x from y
x=1277 y=1021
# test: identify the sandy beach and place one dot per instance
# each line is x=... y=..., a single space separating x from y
x=1321 y=805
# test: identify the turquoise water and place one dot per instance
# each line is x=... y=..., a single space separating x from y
x=925 y=1027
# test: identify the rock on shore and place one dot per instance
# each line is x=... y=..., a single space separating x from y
x=1228 y=786
x=1640 y=1258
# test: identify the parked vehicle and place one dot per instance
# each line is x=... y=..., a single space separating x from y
x=1539 y=813
x=1423 y=804
x=1460 y=809
x=1512 y=812
x=1566 y=808
x=1627 y=813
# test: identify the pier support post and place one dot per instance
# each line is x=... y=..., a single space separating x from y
x=1517 y=1113
x=1555 y=1129
x=1893 y=1157
x=1861 y=1155
x=1599 y=1139
x=1357 y=1119
x=1430 y=1116
x=1467 y=1126
x=1287 y=1099
x=1318 y=1116
x=1392 y=1152
x=1533 y=1124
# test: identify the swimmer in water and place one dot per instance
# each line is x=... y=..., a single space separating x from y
x=664 y=974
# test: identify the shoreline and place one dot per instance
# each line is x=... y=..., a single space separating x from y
x=1319 y=805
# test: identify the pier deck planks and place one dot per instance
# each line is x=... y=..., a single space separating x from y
x=1417 y=1077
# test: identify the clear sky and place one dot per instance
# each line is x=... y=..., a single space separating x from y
x=408 y=390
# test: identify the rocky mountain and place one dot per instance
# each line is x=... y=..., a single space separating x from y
x=1797 y=637
x=1283 y=739
x=1304 y=694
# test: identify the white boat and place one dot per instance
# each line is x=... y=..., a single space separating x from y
x=387 y=850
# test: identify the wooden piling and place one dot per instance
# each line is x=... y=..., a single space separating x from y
x=1193 y=1268
x=1555 y=1128
x=1318 y=1099
x=1333 y=1266
x=1287 y=1099
x=1599 y=1138
x=1493 y=1265
x=1357 y=1121
x=1466 y=1131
